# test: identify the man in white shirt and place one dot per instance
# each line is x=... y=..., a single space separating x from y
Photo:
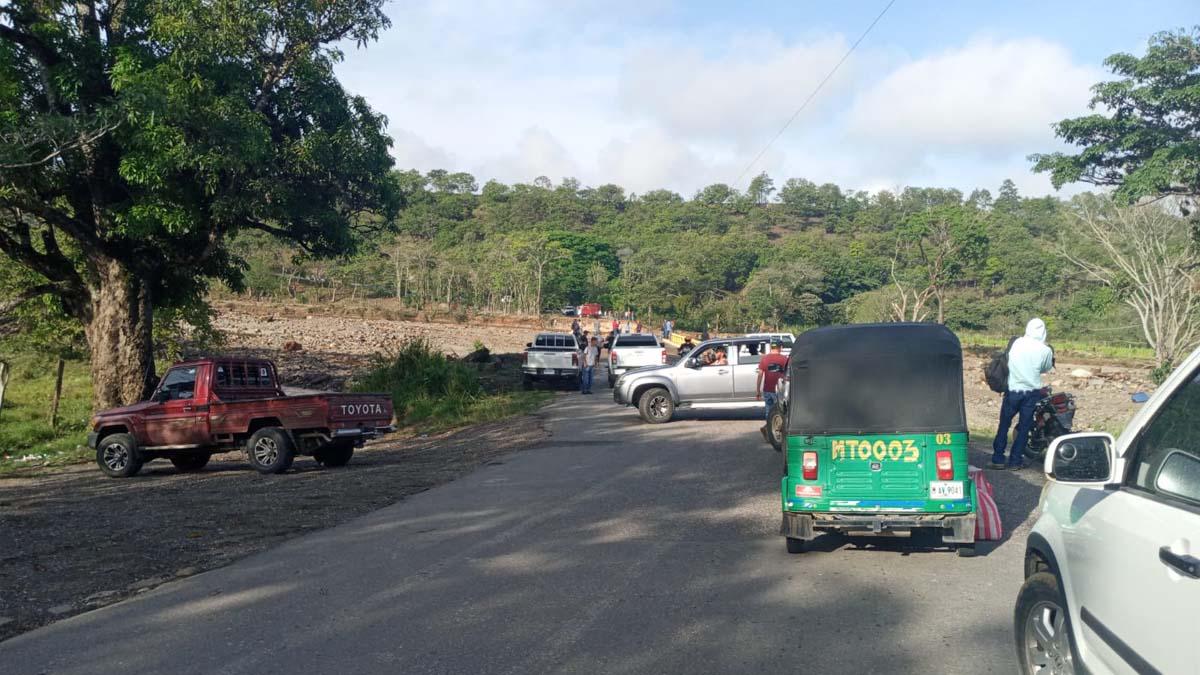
x=588 y=358
x=1028 y=358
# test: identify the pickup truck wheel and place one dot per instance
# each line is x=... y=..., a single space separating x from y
x=270 y=450
x=118 y=456
x=656 y=406
x=335 y=454
x=187 y=463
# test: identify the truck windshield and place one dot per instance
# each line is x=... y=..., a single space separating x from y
x=636 y=341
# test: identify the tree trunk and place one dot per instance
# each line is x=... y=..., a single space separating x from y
x=118 y=333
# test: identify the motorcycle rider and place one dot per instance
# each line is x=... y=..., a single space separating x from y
x=1028 y=358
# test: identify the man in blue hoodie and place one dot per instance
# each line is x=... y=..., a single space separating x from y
x=1028 y=358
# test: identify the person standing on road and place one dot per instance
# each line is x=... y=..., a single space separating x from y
x=587 y=365
x=1028 y=358
x=666 y=333
x=768 y=380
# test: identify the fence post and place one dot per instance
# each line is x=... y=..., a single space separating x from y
x=4 y=372
x=57 y=394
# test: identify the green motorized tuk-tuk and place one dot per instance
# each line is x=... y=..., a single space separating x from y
x=877 y=435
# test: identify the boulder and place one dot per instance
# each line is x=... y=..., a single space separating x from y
x=292 y=346
x=1081 y=373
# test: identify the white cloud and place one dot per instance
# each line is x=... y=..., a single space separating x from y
x=989 y=96
x=412 y=152
x=537 y=153
x=750 y=87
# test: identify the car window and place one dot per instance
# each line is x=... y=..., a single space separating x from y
x=180 y=383
x=1167 y=454
x=540 y=341
x=708 y=356
x=750 y=353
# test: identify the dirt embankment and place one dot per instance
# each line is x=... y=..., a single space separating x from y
x=334 y=345
x=1101 y=393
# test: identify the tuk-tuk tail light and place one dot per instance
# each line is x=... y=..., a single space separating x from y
x=945 y=465
x=809 y=465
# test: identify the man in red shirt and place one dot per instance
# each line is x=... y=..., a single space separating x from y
x=767 y=379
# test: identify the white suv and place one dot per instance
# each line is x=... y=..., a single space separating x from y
x=1112 y=566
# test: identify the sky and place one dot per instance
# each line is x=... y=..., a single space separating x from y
x=670 y=94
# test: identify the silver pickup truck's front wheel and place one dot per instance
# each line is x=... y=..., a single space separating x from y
x=656 y=406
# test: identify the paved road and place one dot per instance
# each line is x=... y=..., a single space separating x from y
x=615 y=547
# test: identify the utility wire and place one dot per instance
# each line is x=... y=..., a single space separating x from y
x=812 y=95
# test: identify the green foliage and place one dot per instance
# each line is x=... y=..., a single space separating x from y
x=26 y=438
x=432 y=391
x=1161 y=372
x=1146 y=143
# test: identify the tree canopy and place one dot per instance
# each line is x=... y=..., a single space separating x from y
x=138 y=136
x=1144 y=140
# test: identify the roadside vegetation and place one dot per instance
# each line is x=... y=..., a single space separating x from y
x=433 y=392
x=26 y=438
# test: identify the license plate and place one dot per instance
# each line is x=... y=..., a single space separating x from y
x=946 y=489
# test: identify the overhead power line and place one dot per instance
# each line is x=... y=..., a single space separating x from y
x=812 y=95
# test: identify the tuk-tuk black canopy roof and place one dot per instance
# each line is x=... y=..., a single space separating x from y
x=876 y=379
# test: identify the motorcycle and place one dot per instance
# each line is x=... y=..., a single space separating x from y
x=1052 y=417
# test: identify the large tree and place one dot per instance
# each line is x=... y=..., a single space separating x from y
x=1145 y=138
x=138 y=136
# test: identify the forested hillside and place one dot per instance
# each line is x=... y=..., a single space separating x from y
x=800 y=254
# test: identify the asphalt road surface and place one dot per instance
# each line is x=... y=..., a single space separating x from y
x=616 y=547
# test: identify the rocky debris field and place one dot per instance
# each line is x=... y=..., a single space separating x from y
x=75 y=540
x=1101 y=393
x=334 y=346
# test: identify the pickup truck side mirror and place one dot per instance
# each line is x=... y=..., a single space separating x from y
x=1081 y=458
x=692 y=363
x=161 y=396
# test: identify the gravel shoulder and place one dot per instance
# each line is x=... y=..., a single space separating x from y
x=74 y=540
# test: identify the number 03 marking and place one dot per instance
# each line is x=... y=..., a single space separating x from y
x=943 y=439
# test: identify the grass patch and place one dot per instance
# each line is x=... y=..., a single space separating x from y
x=431 y=392
x=1068 y=347
x=26 y=439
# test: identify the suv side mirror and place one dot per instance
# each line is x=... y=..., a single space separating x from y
x=692 y=363
x=161 y=396
x=1081 y=458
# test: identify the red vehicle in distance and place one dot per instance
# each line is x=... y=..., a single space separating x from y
x=221 y=404
x=591 y=309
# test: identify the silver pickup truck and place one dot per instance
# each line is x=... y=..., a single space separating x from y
x=694 y=382
x=550 y=356
x=634 y=350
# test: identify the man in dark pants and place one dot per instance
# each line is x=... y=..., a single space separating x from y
x=1028 y=358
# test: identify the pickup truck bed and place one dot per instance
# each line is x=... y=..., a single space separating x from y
x=634 y=350
x=550 y=356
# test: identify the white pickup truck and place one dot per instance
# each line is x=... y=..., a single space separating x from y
x=634 y=350
x=550 y=356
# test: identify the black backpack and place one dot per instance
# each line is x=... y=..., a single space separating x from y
x=996 y=370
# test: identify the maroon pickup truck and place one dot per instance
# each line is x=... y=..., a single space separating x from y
x=220 y=404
